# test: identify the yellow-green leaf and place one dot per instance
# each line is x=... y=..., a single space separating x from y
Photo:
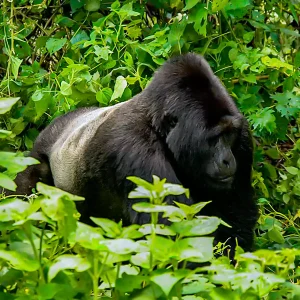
x=275 y=63
x=218 y=5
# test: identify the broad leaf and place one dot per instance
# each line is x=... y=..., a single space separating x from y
x=54 y=45
x=6 y=104
x=65 y=262
x=218 y=5
x=167 y=279
x=119 y=88
x=20 y=261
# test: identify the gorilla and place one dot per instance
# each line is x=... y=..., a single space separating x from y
x=183 y=127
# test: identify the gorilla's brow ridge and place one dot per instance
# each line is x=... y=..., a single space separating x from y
x=226 y=124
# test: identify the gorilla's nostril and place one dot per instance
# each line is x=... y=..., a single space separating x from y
x=226 y=163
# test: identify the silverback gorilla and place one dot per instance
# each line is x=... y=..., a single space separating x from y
x=183 y=127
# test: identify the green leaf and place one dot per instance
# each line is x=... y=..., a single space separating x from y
x=13 y=209
x=141 y=182
x=286 y=198
x=191 y=210
x=275 y=63
x=76 y=4
x=199 y=15
x=20 y=261
x=55 y=193
x=292 y=170
x=15 y=163
x=134 y=32
x=6 y=104
x=250 y=78
x=80 y=37
x=196 y=284
x=273 y=153
x=102 y=53
x=129 y=283
x=275 y=235
x=92 y=5
x=218 y=5
x=196 y=227
x=111 y=228
x=66 y=262
x=126 y=11
x=104 y=96
x=128 y=59
x=141 y=260
x=140 y=193
x=233 y=53
x=174 y=189
x=119 y=88
x=297 y=60
x=195 y=249
x=288 y=104
x=54 y=44
x=87 y=236
x=50 y=290
x=161 y=247
x=190 y=4
x=176 y=32
x=264 y=119
x=120 y=246
x=4 y=133
x=175 y=3
x=16 y=63
x=149 y=208
x=6 y=296
x=166 y=280
x=37 y=95
x=225 y=294
x=41 y=42
x=59 y=206
x=158 y=229
x=127 y=94
x=65 y=88
x=115 y=5
x=7 y=183
x=131 y=232
x=248 y=37
x=65 y=21
x=237 y=8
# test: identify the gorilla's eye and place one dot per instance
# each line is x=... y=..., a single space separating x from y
x=171 y=121
x=213 y=140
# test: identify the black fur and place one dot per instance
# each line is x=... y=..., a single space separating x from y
x=184 y=127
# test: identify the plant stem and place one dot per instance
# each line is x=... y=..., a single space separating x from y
x=95 y=277
x=28 y=233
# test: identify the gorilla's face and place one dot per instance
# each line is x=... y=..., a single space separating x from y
x=199 y=122
x=220 y=165
x=205 y=154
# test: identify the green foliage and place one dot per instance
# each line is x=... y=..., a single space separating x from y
x=56 y=56
x=46 y=253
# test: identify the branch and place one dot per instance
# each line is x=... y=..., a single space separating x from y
x=257 y=78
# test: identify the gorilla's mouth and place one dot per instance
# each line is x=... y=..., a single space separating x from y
x=226 y=179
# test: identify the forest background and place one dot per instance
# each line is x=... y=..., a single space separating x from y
x=57 y=55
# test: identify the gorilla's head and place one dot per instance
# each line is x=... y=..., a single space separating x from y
x=197 y=120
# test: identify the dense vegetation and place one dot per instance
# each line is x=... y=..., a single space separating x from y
x=56 y=55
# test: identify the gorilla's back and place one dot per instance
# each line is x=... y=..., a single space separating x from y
x=66 y=154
